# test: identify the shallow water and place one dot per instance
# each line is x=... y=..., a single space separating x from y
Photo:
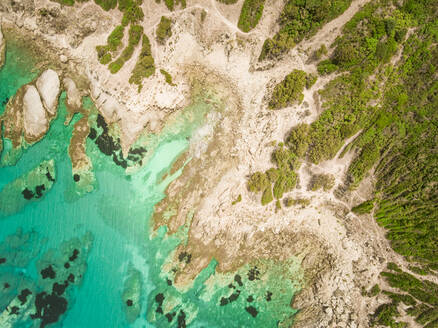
x=118 y=259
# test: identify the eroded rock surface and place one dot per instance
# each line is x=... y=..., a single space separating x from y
x=34 y=114
x=48 y=85
x=73 y=94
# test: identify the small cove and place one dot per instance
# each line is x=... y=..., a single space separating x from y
x=114 y=220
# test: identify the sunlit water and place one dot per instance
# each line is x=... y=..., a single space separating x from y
x=119 y=280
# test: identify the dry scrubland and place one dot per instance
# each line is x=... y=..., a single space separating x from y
x=328 y=149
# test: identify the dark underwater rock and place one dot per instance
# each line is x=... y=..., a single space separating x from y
x=27 y=194
x=49 y=308
x=253 y=274
x=181 y=319
x=74 y=256
x=39 y=190
x=252 y=310
x=48 y=273
x=23 y=296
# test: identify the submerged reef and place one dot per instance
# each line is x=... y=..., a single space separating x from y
x=30 y=186
x=46 y=298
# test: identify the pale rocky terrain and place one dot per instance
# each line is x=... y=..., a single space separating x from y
x=30 y=111
x=341 y=252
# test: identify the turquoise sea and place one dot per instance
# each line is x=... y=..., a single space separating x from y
x=70 y=258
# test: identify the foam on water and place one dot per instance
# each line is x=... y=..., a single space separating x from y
x=125 y=261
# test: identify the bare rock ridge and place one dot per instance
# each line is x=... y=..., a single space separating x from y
x=48 y=85
x=34 y=114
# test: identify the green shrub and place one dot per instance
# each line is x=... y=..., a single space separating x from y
x=392 y=266
x=250 y=15
x=116 y=65
x=384 y=315
x=132 y=14
x=145 y=65
x=298 y=20
x=363 y=208
x=289 y=91
x=267 y=196
x=326 y=67
x=238 y=200
x=65 y=2
x=273 y=174
x=285 y=159
x=303 y=202
x=167 y=76
x=135 y=32
x=103 y=54
x=164 y=30
x=105 y=59
x=310 y=80
x=324 y=181
x=322 y=51
x=106 y=4
x=258 y=182
x=344 y=55
x=401 y=298
x=170 y=4
x=203 y=15
x=114 y=40
x=298 y=139
x=374 y=290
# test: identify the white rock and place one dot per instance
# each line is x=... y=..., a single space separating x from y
x=34 y=115
x=74 y=98
x=63 y=59
x=30 y=23
x=48 y=85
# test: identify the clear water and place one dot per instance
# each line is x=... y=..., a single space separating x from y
x=120 y=257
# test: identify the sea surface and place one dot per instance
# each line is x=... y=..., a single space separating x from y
x=70 y=258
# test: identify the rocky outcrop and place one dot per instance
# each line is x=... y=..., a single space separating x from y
x=49 y=86
x=34 y=114
x=74 y=97
x=2 y=47
x=107 y=105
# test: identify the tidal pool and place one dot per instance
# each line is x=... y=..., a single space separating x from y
x=74 y=258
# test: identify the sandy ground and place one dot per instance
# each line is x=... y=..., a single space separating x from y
x=356 y=245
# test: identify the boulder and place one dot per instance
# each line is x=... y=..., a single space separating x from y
x=49 y=87
x=34 y=114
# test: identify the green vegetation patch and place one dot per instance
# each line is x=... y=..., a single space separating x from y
x=171 y=4
x=145 y=65
x=106 y=4
x=167 y=76
x=289 y=91
x=250 y=14
x=114 y=40
x=324 y=181
x=364 y=208
x=298 y=20
x=303 y=202
x=135 y=33
x=164 y=30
